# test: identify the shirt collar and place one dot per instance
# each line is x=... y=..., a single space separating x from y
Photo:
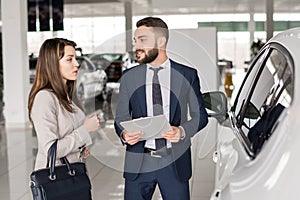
x=165 y=65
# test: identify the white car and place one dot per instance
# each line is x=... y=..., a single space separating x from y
x=258 y=147
x=91 y=80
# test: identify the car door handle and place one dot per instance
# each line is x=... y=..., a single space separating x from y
x=216 y=156
x=225 y=177
x=216 y=195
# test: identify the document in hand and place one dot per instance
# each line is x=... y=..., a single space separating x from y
x=152 y=127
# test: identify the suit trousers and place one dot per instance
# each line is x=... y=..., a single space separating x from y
x=161 y=172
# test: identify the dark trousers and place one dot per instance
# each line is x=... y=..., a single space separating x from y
x=163 y=175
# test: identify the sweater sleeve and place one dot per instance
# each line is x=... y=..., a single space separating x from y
x=44 y=116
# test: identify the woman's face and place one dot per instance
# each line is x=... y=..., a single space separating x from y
x=68 y=64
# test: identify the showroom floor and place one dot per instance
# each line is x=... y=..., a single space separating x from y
x=18 y=149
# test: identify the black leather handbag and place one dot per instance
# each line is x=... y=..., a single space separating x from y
x=64 y=182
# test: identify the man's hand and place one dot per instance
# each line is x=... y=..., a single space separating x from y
x=173 y=135
x=132 y=138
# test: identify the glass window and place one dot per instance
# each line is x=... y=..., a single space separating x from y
x=274 y=86
x=266 y=95
x=248 y=82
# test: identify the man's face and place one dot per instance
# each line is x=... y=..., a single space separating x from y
x=146 y=48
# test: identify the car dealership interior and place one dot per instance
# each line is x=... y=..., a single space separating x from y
x=221 y=39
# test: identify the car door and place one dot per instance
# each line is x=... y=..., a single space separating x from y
x=269 y=84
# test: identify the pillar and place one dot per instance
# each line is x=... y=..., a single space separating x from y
x=269 y=25
x=128 y=24
x=251 y=27
x=15 y=63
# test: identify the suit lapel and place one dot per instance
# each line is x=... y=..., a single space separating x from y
x=177 y=75
x=140 y=81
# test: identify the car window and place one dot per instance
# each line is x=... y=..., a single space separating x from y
x=248 y=82
x=80 y=61
x=100 y=62
x=85 y=64
x=269 y=88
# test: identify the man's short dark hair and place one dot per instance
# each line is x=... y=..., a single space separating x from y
x=155 y=22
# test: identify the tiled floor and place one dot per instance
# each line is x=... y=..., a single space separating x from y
x=18 y=149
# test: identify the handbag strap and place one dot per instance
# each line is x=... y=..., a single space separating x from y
x=65 y=161
x=51 y=159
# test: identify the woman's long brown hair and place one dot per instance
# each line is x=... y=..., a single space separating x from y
x=48 y=75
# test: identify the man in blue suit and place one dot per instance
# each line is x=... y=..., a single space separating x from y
x=172 y=90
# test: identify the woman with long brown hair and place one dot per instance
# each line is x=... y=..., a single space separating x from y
x=54 y=109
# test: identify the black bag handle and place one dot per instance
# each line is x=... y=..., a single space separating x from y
x=65 y=161
x=51 y=159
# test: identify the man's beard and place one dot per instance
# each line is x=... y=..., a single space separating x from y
x=150 y=56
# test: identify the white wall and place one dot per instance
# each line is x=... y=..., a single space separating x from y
x=198 y=48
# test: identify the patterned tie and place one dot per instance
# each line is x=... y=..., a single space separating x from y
x=157 y=103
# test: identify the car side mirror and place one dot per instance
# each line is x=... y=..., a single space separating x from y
x=216 y=105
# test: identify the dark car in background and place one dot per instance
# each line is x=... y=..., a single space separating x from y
x=112 y=64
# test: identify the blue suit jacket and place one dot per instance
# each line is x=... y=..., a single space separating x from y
x=185 y=95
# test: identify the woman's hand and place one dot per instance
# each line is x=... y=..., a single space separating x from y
x=92 y=123
x=86 y=153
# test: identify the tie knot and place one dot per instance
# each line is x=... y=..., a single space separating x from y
x=156 y=69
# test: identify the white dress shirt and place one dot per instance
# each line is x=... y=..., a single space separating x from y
x=164 y=77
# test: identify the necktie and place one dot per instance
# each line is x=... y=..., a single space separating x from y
x=157 y=103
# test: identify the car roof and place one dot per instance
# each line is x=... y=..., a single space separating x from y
x=290 y=39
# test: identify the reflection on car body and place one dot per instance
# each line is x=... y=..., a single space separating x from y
x=258 y=144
